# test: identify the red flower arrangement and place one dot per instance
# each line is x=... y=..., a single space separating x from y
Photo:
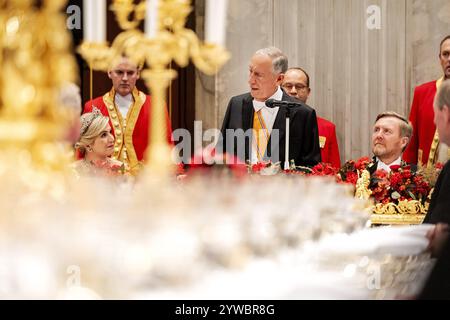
x=324 y=169
x=349 y=171
x=398 y=185
x=257 y=167
x=431 y=173
x=266 y=168
x=379 y=185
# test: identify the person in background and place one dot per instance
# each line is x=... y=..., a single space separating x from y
x=391 y=134
x=129 y=112
x=425 y=147
x=96 y=145
x=296 y=84
x=439 y=209
x=437 y=286
x=248 y=112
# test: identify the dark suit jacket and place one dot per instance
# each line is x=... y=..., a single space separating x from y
x=439 y=210
x=304 y=139
x=373 y=166
x=437 y=286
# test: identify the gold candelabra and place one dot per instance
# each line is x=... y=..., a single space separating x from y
x=172 y=42
x=34 y=67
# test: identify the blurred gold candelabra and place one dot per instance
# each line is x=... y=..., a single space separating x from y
x=35 y=61
x=171 y=42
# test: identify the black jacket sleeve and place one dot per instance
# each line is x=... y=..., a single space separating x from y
x=311 y=148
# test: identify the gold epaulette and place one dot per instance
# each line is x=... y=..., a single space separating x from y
x=322 y=140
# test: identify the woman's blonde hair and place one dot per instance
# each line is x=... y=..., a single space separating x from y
x=92 y=125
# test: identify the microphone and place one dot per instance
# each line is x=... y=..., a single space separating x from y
x=272 y=103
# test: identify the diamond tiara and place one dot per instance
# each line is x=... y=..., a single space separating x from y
x=88 y=118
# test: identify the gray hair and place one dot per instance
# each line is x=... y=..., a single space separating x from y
x=405 y=126
x=443 y=96
x=279 y=60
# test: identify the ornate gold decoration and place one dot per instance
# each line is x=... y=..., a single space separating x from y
x=362 y=186
x=434 y=154
x=322 y=141
x=35 y=61
x=123 y=9
x=405 y=212
x=173 y=42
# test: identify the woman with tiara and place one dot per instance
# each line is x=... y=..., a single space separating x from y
x=96 y=145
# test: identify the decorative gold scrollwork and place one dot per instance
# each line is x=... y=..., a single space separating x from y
x=124 y=8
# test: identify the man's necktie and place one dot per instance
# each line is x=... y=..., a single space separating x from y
x=261 y=135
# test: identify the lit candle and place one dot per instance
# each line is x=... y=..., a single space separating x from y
x=94 y=20
x=151 y=18
x=216 y=15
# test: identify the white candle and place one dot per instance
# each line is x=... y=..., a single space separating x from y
x=94 y=20
x=216 y=15
x=151 y=18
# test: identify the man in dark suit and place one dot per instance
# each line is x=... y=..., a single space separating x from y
x=252 y=131
x=439 y=210
x=438 y=284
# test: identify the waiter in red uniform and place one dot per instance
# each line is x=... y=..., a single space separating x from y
x=128 y=110
x=423 y=148
x=296 y=84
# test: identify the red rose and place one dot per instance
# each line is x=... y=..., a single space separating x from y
x=324 y=169
x=362 y=163
x=352 y=177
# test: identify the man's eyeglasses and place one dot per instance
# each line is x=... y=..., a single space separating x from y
x=298 y=87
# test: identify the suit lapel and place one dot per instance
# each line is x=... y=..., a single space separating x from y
x=247 y=113
x=247 y=121
x=372 y=166
x=280 y=124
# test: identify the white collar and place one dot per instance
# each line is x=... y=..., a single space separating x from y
x=384 y=166
x=258 y=105
x=124 y=99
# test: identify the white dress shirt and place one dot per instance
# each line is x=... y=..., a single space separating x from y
x=269 y=115
x=443 y=153
x=124 y=103
x=383 y=166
